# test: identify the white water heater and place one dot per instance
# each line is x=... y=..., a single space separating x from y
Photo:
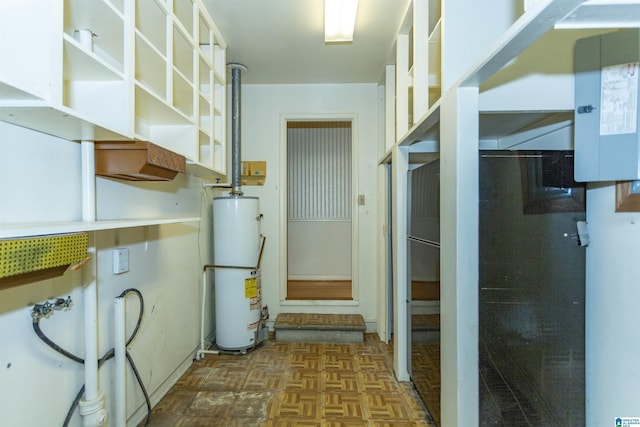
x=237 y=246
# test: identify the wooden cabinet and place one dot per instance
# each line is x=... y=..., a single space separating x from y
x=117 y=70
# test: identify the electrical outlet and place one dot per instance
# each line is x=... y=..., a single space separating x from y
x=120 y=260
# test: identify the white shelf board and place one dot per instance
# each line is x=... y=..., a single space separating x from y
x=82 y=65
x=60 y=122
x=103 y=19
x=603 y=14
x=528 y=124
x=11 y=231
x=203 y=171
x=548 y=14
x=153 y=109
x=386 y=157
x=493 y=126
x=527 y=29
x=10 y=94
x=424 y=128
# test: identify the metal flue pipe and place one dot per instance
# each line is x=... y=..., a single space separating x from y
x=236 y=166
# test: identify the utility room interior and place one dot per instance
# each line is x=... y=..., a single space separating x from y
x=223 y=212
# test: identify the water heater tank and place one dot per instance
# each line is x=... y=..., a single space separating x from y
x=238 y=299
x=236 y=231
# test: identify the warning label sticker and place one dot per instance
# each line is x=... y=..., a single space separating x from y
x=253 y=325
x=250 y=287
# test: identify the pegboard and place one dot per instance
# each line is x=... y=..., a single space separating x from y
x=18 y=256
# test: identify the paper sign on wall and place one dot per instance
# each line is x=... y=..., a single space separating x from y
x=619 y=99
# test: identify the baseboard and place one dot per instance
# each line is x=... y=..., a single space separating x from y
x=371 y=326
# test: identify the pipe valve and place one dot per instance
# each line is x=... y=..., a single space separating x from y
x=46 y=309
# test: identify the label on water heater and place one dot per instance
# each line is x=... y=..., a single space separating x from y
x=250 y=287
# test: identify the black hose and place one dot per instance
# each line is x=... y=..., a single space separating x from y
x=108 y=355
x=129 y=358
x=144 y=390
x=73 y=407
x=56 y=347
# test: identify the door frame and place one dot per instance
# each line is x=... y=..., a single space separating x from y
x=355 y=288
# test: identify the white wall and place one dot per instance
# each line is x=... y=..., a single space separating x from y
x=263 y=110
x=40 y=182
x=613 y=318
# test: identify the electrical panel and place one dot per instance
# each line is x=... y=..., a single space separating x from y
x=607 y=142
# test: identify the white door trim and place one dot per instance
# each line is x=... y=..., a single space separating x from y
x=353 y=118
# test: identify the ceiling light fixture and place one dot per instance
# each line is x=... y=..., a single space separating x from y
x=339 y=20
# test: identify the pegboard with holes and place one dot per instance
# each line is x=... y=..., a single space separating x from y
x=18 y=256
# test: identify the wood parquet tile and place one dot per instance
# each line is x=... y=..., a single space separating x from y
x=338 y=361
x=225 y=379
x=303 y=380
x=344 y=422
x=377 y=382
x=342 y=405
x=386 y=406
x=296 y=404
x=336 y=381
x=282 y=384
x=308 y=361
x=265 y=379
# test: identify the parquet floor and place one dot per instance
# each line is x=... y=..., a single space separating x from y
x=294 y=384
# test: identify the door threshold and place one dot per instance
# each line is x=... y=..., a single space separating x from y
x=335 y=290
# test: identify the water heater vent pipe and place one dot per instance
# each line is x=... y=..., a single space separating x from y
x=236 y=70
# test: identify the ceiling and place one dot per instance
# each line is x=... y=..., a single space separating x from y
x=282 y=41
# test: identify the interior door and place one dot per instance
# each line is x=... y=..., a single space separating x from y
x=319 y=210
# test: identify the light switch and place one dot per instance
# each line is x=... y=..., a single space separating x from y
x=120 y=260
x=361 y=199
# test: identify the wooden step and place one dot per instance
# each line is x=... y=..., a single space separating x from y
x=425 y=328
x=306 y=327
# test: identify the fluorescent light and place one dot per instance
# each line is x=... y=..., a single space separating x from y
x=339 y=20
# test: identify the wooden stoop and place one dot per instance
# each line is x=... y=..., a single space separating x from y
x=304 y=327
x=425 y=328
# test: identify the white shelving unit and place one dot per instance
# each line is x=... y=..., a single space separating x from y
x=117 y=70
x=418 y=63
x=499 y=75
x=176 y=82
x=539 y=37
